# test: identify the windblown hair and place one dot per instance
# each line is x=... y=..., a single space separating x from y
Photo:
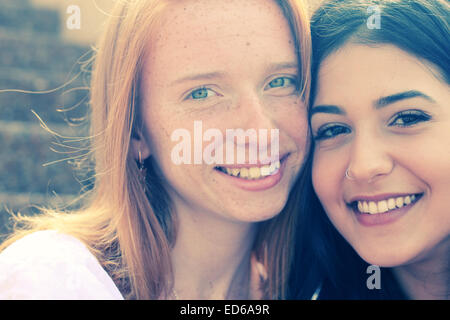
x=420 y=28
x=131 y=227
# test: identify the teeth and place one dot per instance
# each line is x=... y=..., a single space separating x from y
x=365 y=207
x=407 y=200
x=265 y=171
x=399 y=202
x=382 y=206
x=374 y=207
x=360 y=206
x=391 y=203
x=243 y=173
x=253 y=172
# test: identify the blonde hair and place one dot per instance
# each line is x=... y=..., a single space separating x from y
x=128 y=223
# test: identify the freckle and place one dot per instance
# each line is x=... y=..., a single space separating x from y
x=248 y=43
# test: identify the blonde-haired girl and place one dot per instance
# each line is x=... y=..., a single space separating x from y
x=157 y=230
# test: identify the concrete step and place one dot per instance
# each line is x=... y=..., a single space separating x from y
x=25 y=153
x=28 y=50
x=19 y=15
x=23 y=3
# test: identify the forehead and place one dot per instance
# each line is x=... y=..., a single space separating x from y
x=206 y=19
x=200 y=31
x=358 y=72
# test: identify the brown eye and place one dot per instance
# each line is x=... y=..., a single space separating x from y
x=331 y=131
x=409 y=118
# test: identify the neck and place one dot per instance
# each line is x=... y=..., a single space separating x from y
x=429 y=277
x=210 y=252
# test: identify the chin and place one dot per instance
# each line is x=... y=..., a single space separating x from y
x=257 y=214
x=387 y=258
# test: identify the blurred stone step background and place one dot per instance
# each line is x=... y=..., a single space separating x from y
x=34 y=57
x=21 y=15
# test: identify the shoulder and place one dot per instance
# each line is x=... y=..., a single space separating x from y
x=51 y=265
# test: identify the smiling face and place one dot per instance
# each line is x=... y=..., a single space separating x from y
x=385 y=116
x=230 y=65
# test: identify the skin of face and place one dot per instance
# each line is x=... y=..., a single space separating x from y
x=215 y=61
x=396 y=146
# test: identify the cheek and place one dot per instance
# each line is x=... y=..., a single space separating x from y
x=295 y=125
x=326 y=179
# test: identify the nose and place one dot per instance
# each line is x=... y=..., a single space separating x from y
x=258 y=124
x=253 y=113
x=369 y=159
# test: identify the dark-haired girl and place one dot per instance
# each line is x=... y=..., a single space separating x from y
x=380 y=120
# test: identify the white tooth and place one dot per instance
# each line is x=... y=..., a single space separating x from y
x=272 y=168
x=382 y=206
x=413 y=198
x=407 y=200
x=365 y=207
x=235 y=172
x=391 y=203
x=265 y=171
x=228 y=170
x=399 y=202
x=244 y=173
x=360 y=206
x=254 y=173
x=373 y=209
x=277 y=165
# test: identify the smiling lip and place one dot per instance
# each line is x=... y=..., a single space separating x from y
x=257 y=164
x=379 y=197
x=260 y=184
x=388 y=217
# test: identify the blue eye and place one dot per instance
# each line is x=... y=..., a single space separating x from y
x=330 y=131
x=280 y=82
x=201 y=93
x=409 y=118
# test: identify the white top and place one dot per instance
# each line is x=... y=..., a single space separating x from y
x=50 y=265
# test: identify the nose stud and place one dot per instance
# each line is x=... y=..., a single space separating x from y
x=347 y=175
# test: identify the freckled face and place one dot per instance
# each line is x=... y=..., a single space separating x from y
x=230 y=65
x=385 y=116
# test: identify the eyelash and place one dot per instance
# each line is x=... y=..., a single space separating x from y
x=417 y=115
x=290 y=82
x=190 y=96
x=321 y=132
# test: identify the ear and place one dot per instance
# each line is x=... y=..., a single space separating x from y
x=139 y=143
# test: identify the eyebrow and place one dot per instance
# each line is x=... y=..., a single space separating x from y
x=220 y=74
x=382 y=102
x=200 y=76
x=283 y=65
x=327 y=109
